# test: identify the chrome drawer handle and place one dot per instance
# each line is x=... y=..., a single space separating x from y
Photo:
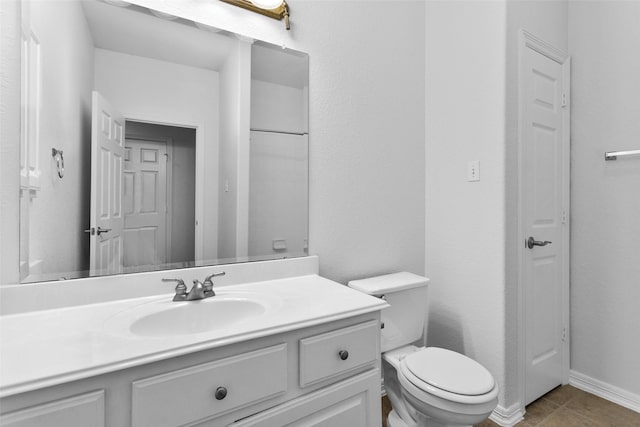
x=343 y=354
x=221 y=393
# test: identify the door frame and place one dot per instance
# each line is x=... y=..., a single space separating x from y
x=199 y=174
x=530 y=41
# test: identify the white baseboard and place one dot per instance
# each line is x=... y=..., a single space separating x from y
x=507 y=417
x=604 y=390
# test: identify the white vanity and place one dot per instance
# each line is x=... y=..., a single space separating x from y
x=297 y=349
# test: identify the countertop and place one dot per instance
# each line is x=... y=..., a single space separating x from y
x=50 y=347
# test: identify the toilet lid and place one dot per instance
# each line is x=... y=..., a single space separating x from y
x=449 y=371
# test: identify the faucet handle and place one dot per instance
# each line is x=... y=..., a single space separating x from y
x=212 y=275
x=208 y=283
x=181 y=289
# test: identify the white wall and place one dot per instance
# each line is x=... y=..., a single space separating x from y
x=235 y=95
x=604 y=39
x=278 y=108
x=59 y=211
x=278 y=194
x=168 y=93
x=278 y=203
x=10 y=43
x=465 y=236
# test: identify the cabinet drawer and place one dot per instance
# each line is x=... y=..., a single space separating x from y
x=194 y=393
x=354 y=402
x=337 y=352
x=83 y=410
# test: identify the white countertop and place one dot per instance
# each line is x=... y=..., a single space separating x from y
x=49 y=347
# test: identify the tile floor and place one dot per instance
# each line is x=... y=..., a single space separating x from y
x=565 y=406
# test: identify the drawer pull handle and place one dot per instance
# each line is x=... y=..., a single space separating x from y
x=221 y=393
x=344 y=354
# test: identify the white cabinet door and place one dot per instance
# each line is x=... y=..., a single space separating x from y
x=351 y=403
x=83 y=410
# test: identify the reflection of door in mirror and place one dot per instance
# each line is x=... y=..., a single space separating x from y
x=134 y=223
x=145 y=202
x=107 y=218
x=159 y=196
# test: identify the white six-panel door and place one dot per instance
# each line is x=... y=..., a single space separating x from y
x=145 y=203
x=107 y=218
x=544 y=216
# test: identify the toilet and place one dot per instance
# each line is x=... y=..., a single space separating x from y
x=427 y=386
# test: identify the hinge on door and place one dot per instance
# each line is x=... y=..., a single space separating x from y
x=564 y=334
x=564 y=100
x=564 y=216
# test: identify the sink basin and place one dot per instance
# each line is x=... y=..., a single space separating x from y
x=165 y=318
x=196 y=317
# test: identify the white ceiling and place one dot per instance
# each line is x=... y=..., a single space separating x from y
x=133 y=31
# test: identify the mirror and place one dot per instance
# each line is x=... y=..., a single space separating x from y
x=152 y=142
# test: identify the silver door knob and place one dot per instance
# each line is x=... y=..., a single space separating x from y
x=531 y=242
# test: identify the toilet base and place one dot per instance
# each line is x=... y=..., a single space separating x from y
x=394 y=420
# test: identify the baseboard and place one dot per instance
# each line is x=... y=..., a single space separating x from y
x=507 y=417
x=604 y=390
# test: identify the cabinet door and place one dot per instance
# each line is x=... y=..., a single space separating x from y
x=83 y=410
x=351 y=403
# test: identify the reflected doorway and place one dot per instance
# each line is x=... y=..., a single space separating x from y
x=158 y=195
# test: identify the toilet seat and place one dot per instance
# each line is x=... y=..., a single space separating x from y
x=448 y=375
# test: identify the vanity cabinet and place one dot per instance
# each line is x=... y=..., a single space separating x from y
x=325 y=374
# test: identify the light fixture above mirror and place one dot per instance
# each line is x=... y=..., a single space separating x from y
x=276 y=9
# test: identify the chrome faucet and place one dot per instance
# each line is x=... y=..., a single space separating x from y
x=200 y=290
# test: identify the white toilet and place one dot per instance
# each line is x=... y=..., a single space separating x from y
x=428 y=386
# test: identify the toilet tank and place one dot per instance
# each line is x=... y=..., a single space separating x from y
x=406 y=318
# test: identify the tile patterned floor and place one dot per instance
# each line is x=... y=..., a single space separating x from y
x=565 y=406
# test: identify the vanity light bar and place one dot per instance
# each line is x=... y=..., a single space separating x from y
x=280 y=12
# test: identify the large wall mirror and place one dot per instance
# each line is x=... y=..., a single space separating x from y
x=151 y=142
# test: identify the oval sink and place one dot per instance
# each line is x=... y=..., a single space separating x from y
x=195 y=317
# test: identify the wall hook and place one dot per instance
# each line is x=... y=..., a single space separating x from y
x=57 y=154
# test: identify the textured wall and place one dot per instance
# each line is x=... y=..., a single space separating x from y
x=9 y=137
x=465 y=118
x=604 y=38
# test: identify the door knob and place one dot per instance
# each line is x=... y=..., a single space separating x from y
x=531 y=242
x=101 y=230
